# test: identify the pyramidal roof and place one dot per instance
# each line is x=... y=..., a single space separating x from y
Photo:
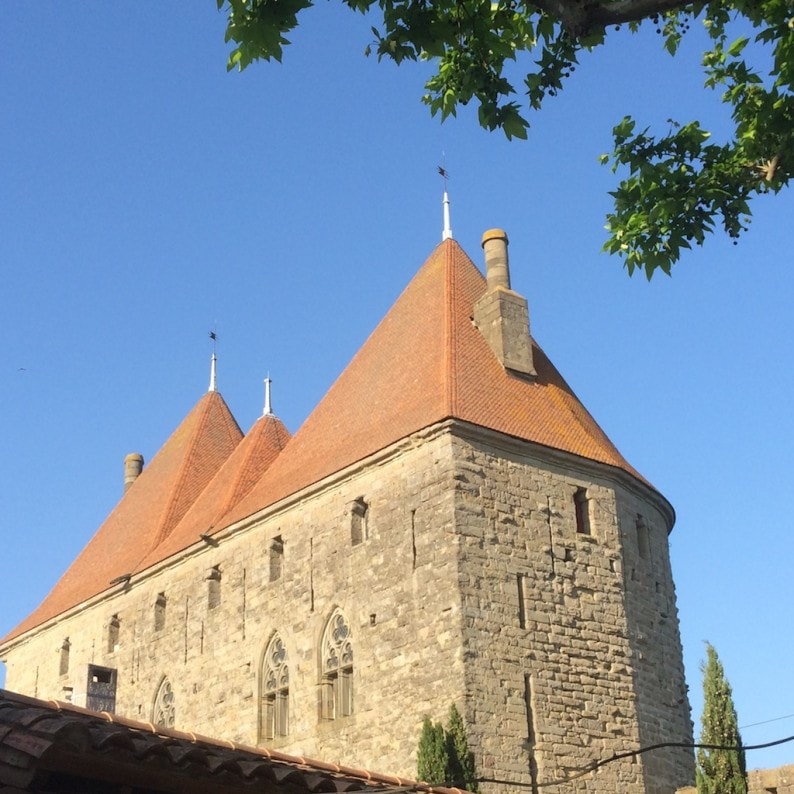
x=424 y=363
x=150 y=509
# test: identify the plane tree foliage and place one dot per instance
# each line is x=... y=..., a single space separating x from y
x=675 y=186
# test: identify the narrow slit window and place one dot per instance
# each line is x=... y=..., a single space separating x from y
x=63 y=663
x=359 y=512
x=114 y=630
x=582 y=507
x=643 y=540
x=159 y=612
x=522 y=600
x=276 y=558
x=214 y=587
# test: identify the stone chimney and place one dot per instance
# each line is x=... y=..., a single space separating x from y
x=133 y=466
x=501 y=314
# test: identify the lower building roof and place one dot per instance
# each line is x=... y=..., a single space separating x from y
x=54 y=748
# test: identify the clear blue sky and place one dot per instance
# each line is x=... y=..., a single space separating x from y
x=147 y=196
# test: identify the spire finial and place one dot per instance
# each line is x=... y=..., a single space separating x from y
x=213 y=378
x=446 y=234
x=268 y=409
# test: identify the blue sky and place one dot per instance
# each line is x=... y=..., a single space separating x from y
x=147 y=196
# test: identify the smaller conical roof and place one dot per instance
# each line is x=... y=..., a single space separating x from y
x=241 y=470
x=149 y=510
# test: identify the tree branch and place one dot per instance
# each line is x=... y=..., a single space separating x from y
x=579 y=17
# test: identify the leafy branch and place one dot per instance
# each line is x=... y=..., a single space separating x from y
x=675 y=188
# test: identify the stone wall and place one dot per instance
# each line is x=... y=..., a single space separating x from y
x=465 y=573
x=779 y=780
x=397 y=588
x=566 y=635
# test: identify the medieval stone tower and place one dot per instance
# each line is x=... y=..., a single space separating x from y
x=449 y=525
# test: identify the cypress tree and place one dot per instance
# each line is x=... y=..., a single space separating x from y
x=719 y=771
x=432 y=758
x=460 y=772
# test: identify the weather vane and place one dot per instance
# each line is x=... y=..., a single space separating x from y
x=446 y=234
x=213 y=377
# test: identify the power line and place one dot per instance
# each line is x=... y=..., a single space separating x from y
x=630 y=754
x=766 y=722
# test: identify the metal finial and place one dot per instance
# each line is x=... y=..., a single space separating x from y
x=213 y=378
x=268 y=409
x=446 y=234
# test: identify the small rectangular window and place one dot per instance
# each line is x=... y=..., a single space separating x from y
x=276 y=558
x=101 y=689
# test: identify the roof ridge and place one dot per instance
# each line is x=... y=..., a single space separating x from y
x=238 y=489
x=184 y=470
x=450 y=346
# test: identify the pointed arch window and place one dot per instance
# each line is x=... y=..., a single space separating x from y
x=274 y=707
x=336 y=684
x=164 y=709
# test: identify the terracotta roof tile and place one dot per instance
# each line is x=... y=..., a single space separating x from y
x=241 y=470
x=39 y=738
x=149 y=509
x=426 y=362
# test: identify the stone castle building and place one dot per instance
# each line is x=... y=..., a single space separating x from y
x=449 y=525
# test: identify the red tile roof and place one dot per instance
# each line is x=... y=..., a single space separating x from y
x=425 y=362
x=51 y=746
x=149 y=510
x=241 y=470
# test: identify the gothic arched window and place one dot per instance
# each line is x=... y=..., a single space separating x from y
x=336 y=683
x=164 y=710
x=274 y=708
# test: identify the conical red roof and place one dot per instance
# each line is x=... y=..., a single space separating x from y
x=149 y=510
x=426 y=362
x=241 y=470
